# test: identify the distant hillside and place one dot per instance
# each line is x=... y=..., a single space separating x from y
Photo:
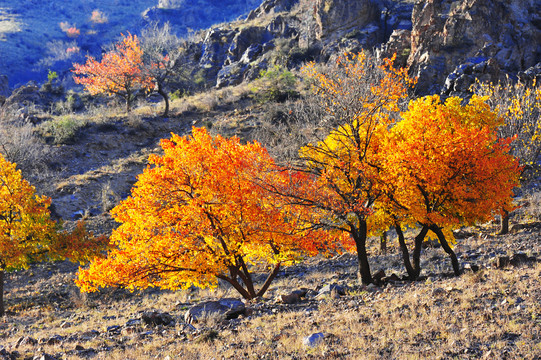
x=35 y=35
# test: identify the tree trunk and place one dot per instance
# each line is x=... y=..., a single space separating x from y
x=233 y=281
x=267 y=283
x=2 y=309
x=405 y=253
x=417 y=250
x=504 y=226
x=359 y=236
x=447 y=248
x=383 y=243
x=165 y=99
x=246 y=277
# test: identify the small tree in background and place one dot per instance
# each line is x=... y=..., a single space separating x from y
x=200 y=214
x=27 y=234
x=520 y=106
x=444 y=168
x=162 y=54
x=119 y=73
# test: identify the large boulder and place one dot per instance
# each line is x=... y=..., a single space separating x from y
x=449 y=33
x=227 y=308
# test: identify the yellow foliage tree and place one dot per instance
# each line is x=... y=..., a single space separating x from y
x=360 y=99
x=27 y=234
x=520 y=106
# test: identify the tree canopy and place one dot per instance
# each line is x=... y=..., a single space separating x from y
x=197 y=214
x=120 y=72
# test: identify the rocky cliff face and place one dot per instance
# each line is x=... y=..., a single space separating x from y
x=447 y=44
x=452 y=42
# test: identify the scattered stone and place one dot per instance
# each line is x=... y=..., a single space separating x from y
x=88 y=335
x=79 y=347
x=438 y=292
x=227 y=308
x=53 y=340
x=292 y=298
x=114 y=329
x=155 y=318
x=134 y=322
x=66 y=324
x=26 y=340
x=331 y=289
x=379 y=275
x=44 y=357
x=372 y=287
x=313 y=340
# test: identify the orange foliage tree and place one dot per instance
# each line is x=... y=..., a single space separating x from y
x=119 y=73
x=445 y=167
x=199 y=214
x=520 y=106
x=27 y=234
x=359 y=99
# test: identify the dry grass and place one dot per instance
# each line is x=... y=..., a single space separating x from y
x=490 y=314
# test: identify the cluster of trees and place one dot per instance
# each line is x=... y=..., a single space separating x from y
x=367 y=159
x=134 y=65
x=214 y=208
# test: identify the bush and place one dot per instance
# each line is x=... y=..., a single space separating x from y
x=63 y=130
x=278 y=85
x=19 y=142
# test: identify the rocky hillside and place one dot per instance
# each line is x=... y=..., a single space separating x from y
x=447 y=44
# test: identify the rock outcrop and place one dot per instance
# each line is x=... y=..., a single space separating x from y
x=474 y=38
x=333 y=17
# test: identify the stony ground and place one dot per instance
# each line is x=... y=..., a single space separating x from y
x=493 y=313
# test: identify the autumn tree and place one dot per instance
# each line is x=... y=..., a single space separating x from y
x=357 y=100
x=163 y=58
x=445 y=167
x=520 y=106
x=120 y=72
x=27 y=234
x=197 y=214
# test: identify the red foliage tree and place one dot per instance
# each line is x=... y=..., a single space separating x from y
x=120 y=72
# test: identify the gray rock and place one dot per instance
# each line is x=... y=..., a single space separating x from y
x=313 y=340
x=226 y=308
x=155 y=318
x=44 y=357
x=446 y=33
x=337 y=15
x=293 y=297
x=231 y=75
x=26 y=340
x=331 y=288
